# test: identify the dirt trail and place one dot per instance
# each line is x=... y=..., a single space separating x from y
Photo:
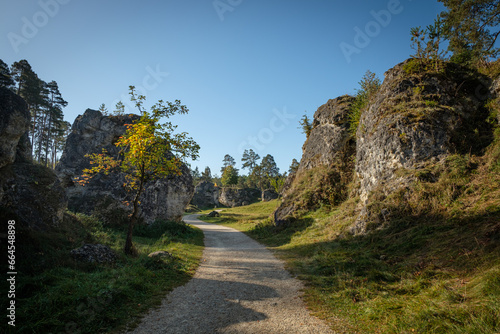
x=240 y=287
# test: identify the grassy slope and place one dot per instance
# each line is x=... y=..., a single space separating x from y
x=433 y=268
x=58 y=295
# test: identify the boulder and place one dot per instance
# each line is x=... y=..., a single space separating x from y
x=232 y=197
x=30 y=194
x=416 y=118
x=14 y=125
x=206 y=194
x=94 y=254
x=214 y=214
x=269 y=195
x=329 y=141
x=104 y=195
x=329 y=134
x=160 y=254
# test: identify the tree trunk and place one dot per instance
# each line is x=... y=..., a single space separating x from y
x=129 y=247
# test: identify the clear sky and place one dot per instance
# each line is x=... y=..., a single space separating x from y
x=247 y=69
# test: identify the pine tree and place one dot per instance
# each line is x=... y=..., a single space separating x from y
x=293 y=167
x=226 y=162
x=206 y=175
x=5 y=76
x=229 y=176
x=472 y=28
x=250 y=160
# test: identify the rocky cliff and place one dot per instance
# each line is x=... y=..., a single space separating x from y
x=29 y=194
x=418 y=117
x=326 y=155
x=104 y=195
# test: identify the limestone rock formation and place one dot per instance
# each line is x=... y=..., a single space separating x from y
x=14 y=125
x=104 y=195
x=206 y=195
x=29 y=194
x=416 y=118
x=329 y=138
x=269 y=195
x=329 y=135
x=233 y=197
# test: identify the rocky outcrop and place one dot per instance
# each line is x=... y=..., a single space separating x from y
x=329 y=134
x=233 y=197
x=29 y=194
x=269 y=195
x=94 y=254
x=104 y=195
x=206 y=195
x=14 y=125
x=415 y=119
x=328 y=141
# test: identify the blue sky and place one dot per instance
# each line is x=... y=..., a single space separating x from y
x=247 y=69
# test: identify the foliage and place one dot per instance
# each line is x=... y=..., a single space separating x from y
x=229 y=176
x=226 y=162
x=149 y=150
x=306 y=125
x=278 y=183
x=293 y=167
x=250 y=160
x=45 y=103
x=369 y=86
x=206 y=175
x=471 y=28
x=427 y=44
x=5 y=76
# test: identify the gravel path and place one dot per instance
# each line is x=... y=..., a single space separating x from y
x=240 y=287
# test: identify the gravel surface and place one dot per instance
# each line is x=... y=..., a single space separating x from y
x=240 y=287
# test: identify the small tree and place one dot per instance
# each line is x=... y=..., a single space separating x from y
x=229 y=176
x=278 y=183
x=306 y=125
x=250 y=159
x=226 y=162
x=206 y=175
x=369 y=86
x=294 y=167
x=149 y=150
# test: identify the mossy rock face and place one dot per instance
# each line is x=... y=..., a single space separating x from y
x=416 y=117
x=32 y=196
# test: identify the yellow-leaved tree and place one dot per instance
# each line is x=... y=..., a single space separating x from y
x=149 y=150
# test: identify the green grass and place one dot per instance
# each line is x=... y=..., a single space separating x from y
x=434 y=271
x=55 y=294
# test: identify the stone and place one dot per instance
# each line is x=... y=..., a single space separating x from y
x=214 y=214
x=30 y=194
x=94 y=253
x=160 y=254
x=14 y=125
x=329 y=134
x=104 y=195
x=233 y=197
x=269 y=195
x=206 y=195
x=328 y=142
x=414 y=119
